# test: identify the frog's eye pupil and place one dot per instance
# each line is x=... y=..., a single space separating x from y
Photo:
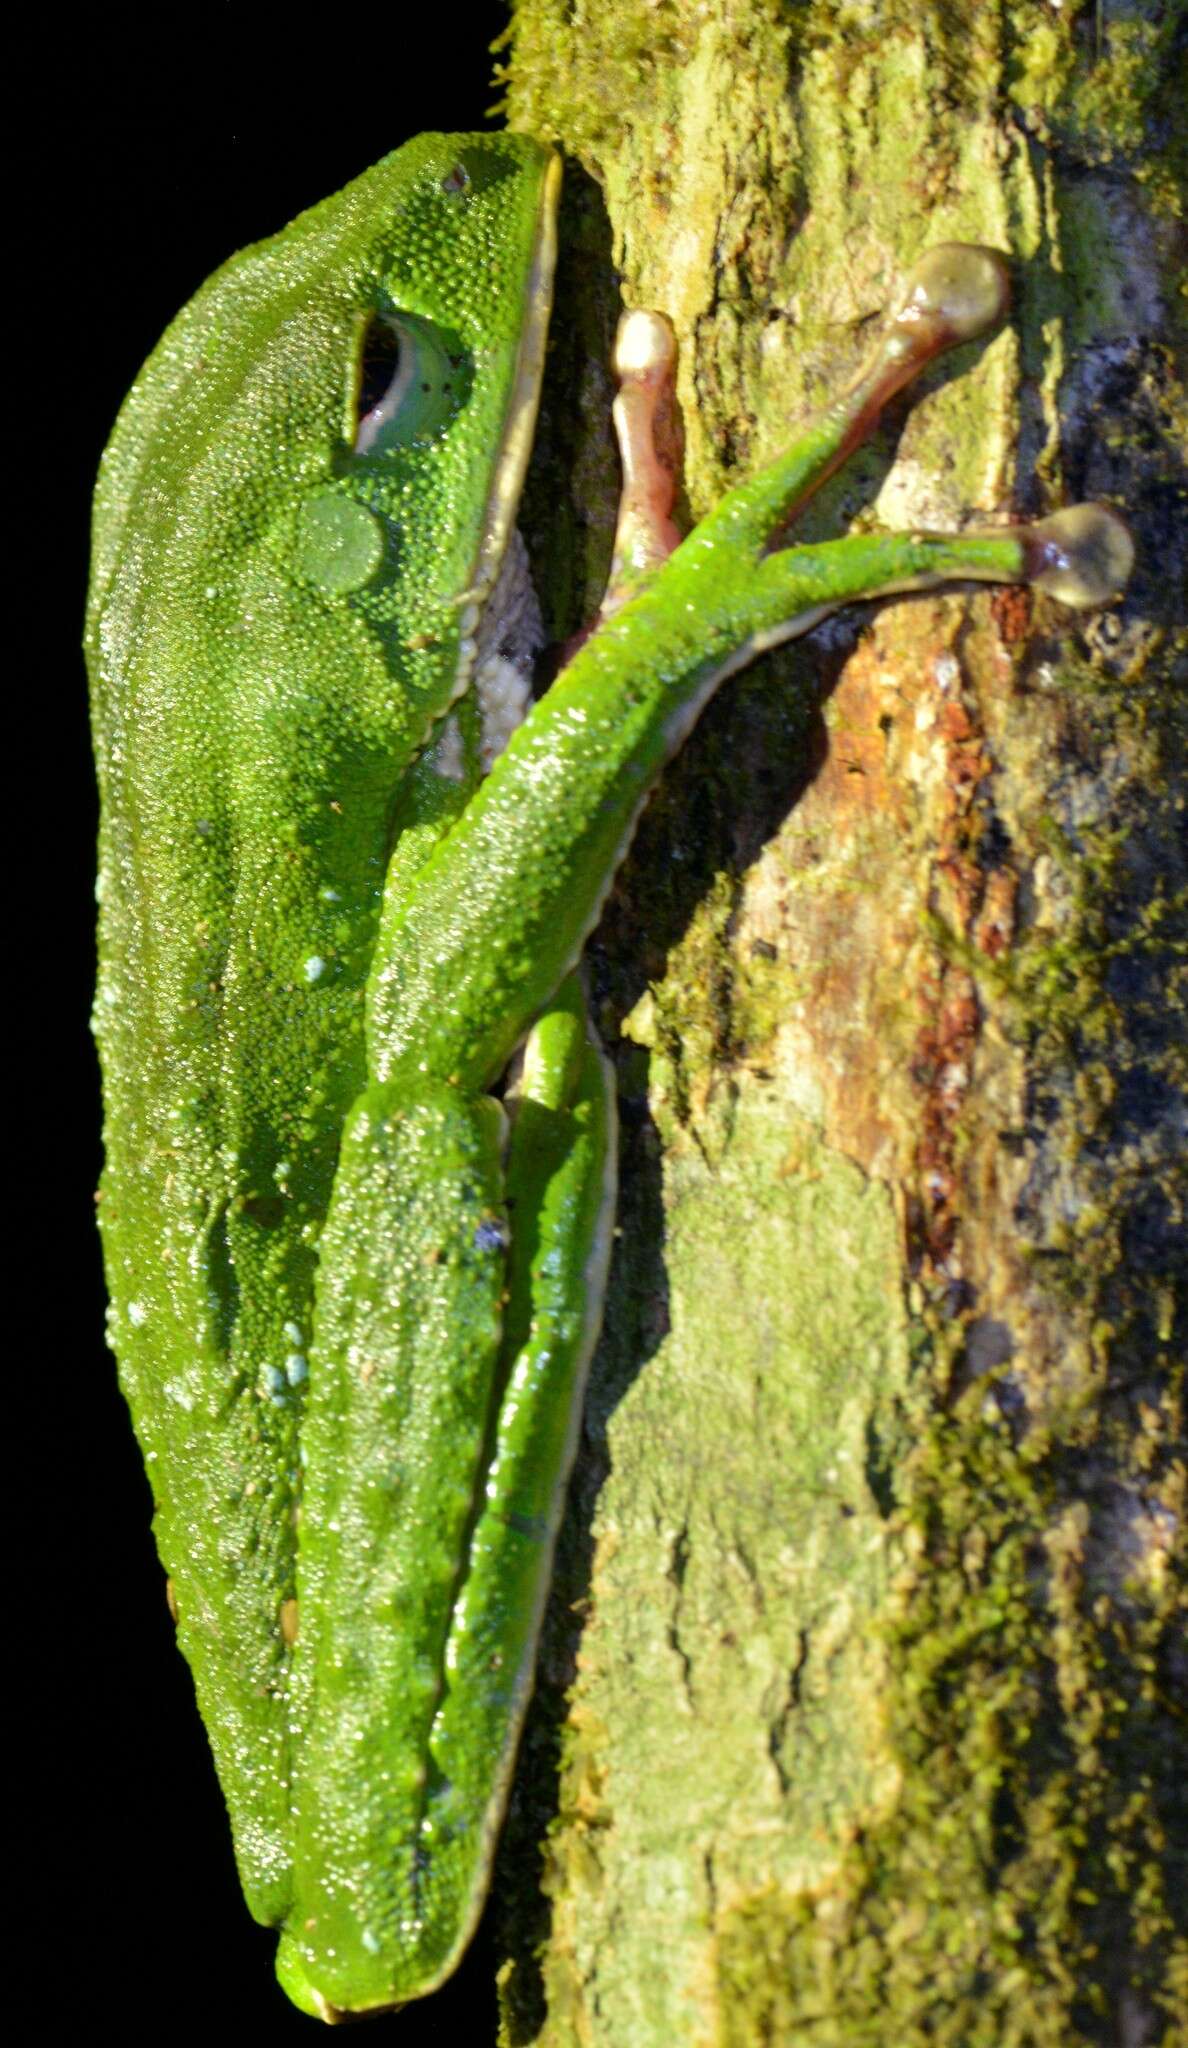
x=402 y=391
x=379 y=365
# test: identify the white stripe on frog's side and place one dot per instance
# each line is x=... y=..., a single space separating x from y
x=510 y=636
x=447 y=754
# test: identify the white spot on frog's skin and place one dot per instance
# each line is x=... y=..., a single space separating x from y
x=447 y=757
x=291 y=1333
x=504 y=696
x=314 y=968
x=137 y=1314
x=296 y=1369
x=946 y=671
x=510 y=635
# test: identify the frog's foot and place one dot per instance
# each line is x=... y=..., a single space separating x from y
x=1083 y=556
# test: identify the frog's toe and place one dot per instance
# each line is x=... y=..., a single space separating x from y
x=958 y=289
x=1083 y=555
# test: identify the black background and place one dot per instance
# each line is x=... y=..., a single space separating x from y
x=155 y=159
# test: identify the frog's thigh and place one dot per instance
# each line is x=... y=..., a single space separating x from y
x=446 y=1387
x=403 y=1380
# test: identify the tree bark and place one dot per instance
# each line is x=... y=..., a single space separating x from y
x=855 y=1721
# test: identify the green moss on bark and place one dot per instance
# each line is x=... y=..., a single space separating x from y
x=880 y=1748
x=1019 y=1895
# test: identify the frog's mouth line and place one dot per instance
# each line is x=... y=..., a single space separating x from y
x=523 y=402
x=500 y=625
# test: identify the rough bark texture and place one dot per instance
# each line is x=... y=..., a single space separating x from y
x=856 y=1713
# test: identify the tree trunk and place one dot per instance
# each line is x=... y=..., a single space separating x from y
x=854 y=1721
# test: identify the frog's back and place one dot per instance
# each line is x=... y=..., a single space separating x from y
x=255 y=713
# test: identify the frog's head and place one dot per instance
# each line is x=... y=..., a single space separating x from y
x=353 y=401
x=439 y=282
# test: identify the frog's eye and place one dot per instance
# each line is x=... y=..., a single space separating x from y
x=408 y=382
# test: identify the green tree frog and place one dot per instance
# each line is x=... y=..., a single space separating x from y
x=360 y=1142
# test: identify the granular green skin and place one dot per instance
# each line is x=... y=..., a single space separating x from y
x=255 y=734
